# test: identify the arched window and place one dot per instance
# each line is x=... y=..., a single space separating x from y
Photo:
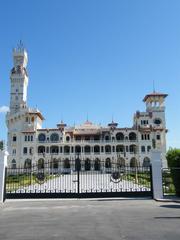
x=146 y=162
x=97 y=165
x=133 y=162
x=41 y=163
x=132 y=136
x=54 y=163
x=87 y=164
x=108 y=163
x=119 y=136
x=120 y=148
x=108 y=149
x=143 y=149
x=67 y=163
x=13 y=164
x=66 y=149
x=120 y=162
x=133 y=149
x=87 y=149
x=54 y=149
x=78 y=164
x=54 y=137
x=67 y=138
x=41 y=149
x=77 y=149
x=41 y=137
x=27 y=163
x=148 y=148
x=96 y=149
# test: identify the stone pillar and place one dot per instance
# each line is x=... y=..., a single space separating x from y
x=157 y=174
x=3 y=164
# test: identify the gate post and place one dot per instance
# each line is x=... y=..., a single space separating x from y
x=3 y=164
x=156 y=174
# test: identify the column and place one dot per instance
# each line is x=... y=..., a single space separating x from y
x=157 y=174
x=3 y=164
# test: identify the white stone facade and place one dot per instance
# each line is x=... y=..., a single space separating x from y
x=29 y=143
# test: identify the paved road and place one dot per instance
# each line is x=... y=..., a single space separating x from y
x=90 y=219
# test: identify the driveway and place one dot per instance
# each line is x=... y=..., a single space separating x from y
x=89 y=219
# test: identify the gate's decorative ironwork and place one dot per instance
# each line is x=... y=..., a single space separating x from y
x=76 y=181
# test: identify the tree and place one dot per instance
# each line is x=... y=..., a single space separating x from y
x=173 y=159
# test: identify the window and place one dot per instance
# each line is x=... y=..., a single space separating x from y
x=25 y=150
x=27 y=163
x=148 y=148
x=107 y=138
x=31 y=151
x=42 y=137
x=28 y=138
x=14 y=151
x=143 y=149
x=146 y=162
x=13 y=164
x=157 y=121
x=132 y=136
x=158 y=137
x=67 y=138
x=54 y=137
x=145 y=137
x=31 y=138
x=119 y=136
x=25 y=138
x=144 y=122
x=14 y=138
x=108 y=163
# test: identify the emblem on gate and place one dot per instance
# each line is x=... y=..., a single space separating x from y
x=116 y=177
x=40 y=177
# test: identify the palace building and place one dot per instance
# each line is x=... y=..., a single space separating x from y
x=97 y=146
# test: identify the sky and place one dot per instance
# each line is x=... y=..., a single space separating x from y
x=93 y=58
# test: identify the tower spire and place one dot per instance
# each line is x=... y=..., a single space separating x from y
x=154 y=87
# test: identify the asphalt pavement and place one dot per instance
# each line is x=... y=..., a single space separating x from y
x=121 y=219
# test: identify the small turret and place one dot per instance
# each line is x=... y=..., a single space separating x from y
x=155 y=101
x=61 y=125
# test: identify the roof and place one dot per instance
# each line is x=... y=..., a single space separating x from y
x=86 y=128
x=37 y=113
x=155 y=94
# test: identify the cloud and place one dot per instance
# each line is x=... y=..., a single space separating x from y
x=4 y=109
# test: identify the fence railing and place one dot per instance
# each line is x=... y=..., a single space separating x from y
x=169 y=181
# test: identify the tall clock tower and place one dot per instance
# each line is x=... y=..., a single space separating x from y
x=19 y=79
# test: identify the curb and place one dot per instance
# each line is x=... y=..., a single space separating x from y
x=167 y=200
